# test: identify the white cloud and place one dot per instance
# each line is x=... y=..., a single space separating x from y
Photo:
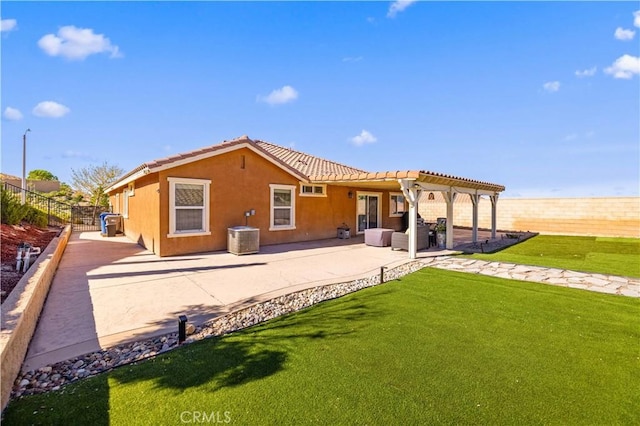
x=398 y=6
x=50 y=109
x=586 y=73
x=7 y=25
x=574 y=136
x=636 y=18
x=280 y=96
x=12 y=114
x=551 y=86
x=624 y=35
x=363 y=138
x=77 y=154
x=77 y=43
x=352 y=59
x=624 y=67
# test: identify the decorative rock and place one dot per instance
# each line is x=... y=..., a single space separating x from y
x=106 y=359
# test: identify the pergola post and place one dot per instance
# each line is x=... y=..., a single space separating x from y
x=449 y=198
x=411 y=192
x=475 y=198
x=494 y=221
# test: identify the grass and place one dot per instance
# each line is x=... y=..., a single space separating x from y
x=435 y=347
x=614 y=256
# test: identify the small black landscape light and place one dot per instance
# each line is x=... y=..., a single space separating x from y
x=182 y=329
x=382 y=268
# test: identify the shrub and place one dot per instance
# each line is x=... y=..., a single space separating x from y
x=12 y=210
x=37 y=217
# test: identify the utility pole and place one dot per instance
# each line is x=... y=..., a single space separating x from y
x=24 y=166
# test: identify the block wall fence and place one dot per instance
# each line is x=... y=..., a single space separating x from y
x=602 y=216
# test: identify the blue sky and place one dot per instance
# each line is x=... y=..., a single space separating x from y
x=541 y=97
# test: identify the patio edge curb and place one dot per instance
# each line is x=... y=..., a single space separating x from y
x=21 y=311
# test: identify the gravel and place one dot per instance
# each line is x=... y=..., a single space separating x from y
x=54 y=377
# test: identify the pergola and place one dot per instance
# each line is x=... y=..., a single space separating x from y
x=413 y=183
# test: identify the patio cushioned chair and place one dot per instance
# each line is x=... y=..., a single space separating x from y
x=400 y=240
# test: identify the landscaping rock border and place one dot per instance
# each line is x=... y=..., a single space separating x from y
x=54 y=377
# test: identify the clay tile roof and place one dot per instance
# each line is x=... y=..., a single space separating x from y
x=197 y=152
x=306 y=164
x=4 y=176
x=303 y=165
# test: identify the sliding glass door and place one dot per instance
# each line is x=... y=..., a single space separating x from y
x=368 y=210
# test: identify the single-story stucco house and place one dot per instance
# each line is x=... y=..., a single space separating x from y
x=185 y=203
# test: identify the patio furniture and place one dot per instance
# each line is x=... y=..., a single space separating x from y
x=378 y=237
x=400 y=240
x=432 y=234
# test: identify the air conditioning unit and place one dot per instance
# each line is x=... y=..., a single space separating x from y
x=243 y=240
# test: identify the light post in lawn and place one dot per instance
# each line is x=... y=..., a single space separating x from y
x=24 y=167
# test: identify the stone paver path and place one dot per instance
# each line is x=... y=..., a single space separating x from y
x=610 y=284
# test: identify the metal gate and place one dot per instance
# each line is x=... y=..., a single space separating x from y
x=81 y=218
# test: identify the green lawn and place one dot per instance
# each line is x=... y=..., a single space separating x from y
x=615 y=256
x=435 y=347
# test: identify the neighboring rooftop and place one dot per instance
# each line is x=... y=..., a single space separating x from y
x=5 y=177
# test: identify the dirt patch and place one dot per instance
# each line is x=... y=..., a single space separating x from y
x=10 y=237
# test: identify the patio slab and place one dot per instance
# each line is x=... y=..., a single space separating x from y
x=109 y=291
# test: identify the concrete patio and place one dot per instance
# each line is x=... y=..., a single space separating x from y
x=109 y=291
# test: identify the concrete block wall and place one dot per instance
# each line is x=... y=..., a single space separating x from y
x=602 y=216
x=36 y=185
x=21 y=311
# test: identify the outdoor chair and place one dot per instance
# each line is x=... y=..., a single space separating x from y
x=400 y=240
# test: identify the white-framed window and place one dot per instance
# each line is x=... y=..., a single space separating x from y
x=132 y=189
x=397 y=205
x=188 y=207
x=313 y=190
x=283 y=207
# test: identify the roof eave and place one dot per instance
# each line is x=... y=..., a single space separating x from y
x=126 y=179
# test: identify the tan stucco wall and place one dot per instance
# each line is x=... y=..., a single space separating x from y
x=142 y=224
x=234 y=190
x=604 y=216
x=21 y=311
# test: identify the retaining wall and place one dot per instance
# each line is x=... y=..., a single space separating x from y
x=602 y=216
x=21 y=310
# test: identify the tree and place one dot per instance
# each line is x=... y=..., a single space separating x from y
x=40 y=174
x=93 y=180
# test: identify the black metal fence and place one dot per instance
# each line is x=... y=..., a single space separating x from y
x=81 y=218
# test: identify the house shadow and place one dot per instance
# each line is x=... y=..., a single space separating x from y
x=253 y=353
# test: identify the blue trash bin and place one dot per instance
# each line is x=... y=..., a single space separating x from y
x=103 y=222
